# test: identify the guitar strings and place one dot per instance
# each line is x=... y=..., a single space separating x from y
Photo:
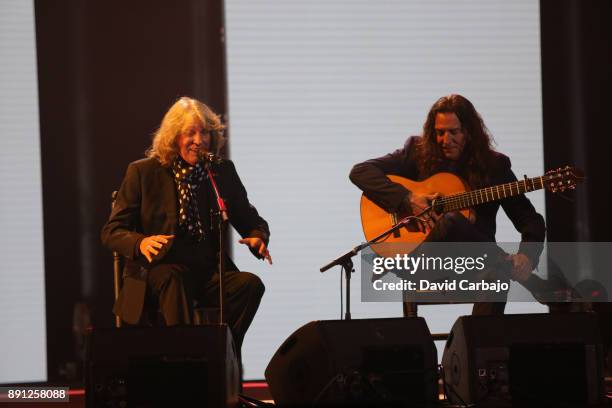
x=469 y=198
x=466 y=199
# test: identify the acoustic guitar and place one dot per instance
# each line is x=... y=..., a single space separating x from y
x=454 y=196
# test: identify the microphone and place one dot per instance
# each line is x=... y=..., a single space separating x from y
x=212 y=158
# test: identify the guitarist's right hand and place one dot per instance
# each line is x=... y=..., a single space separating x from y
x=419 y=202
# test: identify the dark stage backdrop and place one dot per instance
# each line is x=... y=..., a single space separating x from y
x=108 y=70
x=577 y=91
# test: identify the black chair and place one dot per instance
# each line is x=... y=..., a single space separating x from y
x=117 y=267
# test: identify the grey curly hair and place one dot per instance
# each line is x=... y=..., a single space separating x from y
x=164 y=146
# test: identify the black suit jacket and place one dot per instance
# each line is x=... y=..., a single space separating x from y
x=370 y=176
x=147 y=204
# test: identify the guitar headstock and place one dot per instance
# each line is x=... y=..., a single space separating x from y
x=563 y=178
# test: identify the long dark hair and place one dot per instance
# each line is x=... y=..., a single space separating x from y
x=478 y=153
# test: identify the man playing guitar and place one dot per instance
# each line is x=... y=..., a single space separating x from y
x=455 y=140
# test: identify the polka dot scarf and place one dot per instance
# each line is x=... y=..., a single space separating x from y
x=187 y=179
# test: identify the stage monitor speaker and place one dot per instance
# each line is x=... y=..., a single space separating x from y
x=371 y=361
x=524 y=360
x=161 y=367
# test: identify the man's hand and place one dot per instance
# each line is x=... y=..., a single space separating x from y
x=153 y=245
x=419 y=202
x=521 y=267
x=257 y=245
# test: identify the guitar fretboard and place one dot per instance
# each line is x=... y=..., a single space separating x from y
x=484 y=195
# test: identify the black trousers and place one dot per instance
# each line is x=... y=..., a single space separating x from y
x=454 y=227
x=173 y=289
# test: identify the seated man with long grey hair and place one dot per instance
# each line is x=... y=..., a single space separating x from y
x=162 y=224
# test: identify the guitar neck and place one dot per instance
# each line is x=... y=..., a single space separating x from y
x=468 y=199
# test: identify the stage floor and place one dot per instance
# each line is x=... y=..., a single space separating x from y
x=257 y=390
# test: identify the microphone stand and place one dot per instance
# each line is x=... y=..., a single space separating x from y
x=346 y=262
x=222 y=223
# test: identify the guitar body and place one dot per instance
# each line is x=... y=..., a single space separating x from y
x=376 y=220
x=454 y=197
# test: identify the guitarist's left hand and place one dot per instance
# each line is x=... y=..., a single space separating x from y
x=521 y=267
